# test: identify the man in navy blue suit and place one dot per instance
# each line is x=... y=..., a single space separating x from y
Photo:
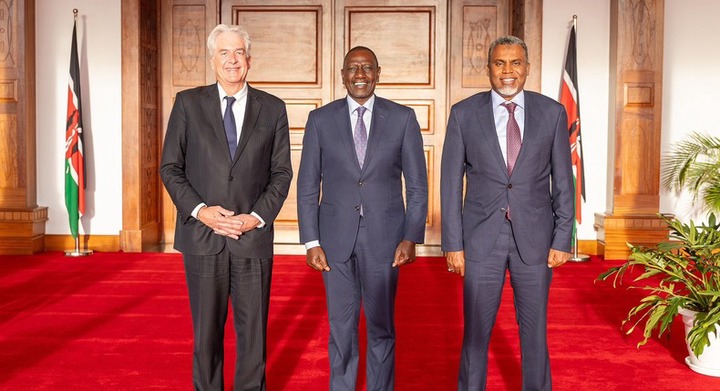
x=507 y=150
x=353 y=221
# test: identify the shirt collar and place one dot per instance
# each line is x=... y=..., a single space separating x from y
x=353 y=105
x=239 y=96
x=498 y=100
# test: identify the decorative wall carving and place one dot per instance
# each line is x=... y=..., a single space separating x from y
x=644 y=31
x=149 y=114
x=479 y=30
x=189 y=33
x=8 y=15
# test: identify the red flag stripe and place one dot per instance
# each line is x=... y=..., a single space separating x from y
x=569 y=97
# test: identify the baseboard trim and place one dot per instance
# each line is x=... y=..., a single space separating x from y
x=104 y=243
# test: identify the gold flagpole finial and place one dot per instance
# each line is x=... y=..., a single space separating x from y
x=75 y=13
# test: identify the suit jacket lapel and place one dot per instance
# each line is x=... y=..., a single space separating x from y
x=529 y=133
x=252 y=112
x=342 y=123
x=213 y=111
x=486 y=118
x=379 y=118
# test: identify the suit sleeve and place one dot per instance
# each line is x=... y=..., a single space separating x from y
x=414 y=170
x=451 y=185
x=308 y=184
x=271 y=199
x=563 y=188
x=172 y=165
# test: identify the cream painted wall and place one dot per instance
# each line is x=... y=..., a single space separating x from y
x=593 y=56
x=98 y=29
x=692 y=83
x=690 y=65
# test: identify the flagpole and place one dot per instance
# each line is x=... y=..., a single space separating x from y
x=77 y=252
x=576 y=256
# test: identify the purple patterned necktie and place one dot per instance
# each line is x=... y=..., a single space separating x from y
x=513 y=137
x=360 y=136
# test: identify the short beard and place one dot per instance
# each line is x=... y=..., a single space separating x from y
x=507 y=91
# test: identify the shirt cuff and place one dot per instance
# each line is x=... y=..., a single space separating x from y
x=257 y=216
x=197 y=209
x=311 y=244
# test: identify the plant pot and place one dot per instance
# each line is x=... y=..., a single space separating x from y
x=708 y=363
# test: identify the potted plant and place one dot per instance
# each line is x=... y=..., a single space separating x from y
x=682 y=275
x=693 y=165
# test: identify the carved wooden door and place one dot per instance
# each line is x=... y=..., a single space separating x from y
x=431 y=53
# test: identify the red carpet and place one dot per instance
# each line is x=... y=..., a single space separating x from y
x=122 y=322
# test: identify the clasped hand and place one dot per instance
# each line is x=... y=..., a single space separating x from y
x=226 y=222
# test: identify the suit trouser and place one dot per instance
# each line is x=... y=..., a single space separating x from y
x=211 y=280
x=371 y=282
x=483 y=285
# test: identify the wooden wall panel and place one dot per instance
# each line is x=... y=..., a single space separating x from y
x=8 y=26
x=297 y=30
x=401 y=36
x=636 y=74
x=291 y=58
x=474 y=24
x=10 y=156
x=184 y=64
x=287 y=219
x=410 y=41
x=425 y=112
x=141 y=126
x=431 y=53
x=189 y=34
x=479 y=28
x=22 y=221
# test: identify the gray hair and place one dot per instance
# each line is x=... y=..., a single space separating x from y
x=223 y=28
x=508 y=40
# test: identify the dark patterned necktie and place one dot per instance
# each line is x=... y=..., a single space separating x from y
x=514 y=142
x=360 y=136
x=230 y=127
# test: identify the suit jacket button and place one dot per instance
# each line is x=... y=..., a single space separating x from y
x=360 y=184
x=503 y=210
x=357 y=207
x=509 y=185
x=231 y=178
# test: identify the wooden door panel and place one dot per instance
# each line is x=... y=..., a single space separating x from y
x=412 y=53
x=184 y=64
x=474 y=25
x=290 y=51
x=432 y=54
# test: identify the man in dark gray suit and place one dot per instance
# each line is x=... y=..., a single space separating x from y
x=226 y=165
x=353 y=221
x=512 y=149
